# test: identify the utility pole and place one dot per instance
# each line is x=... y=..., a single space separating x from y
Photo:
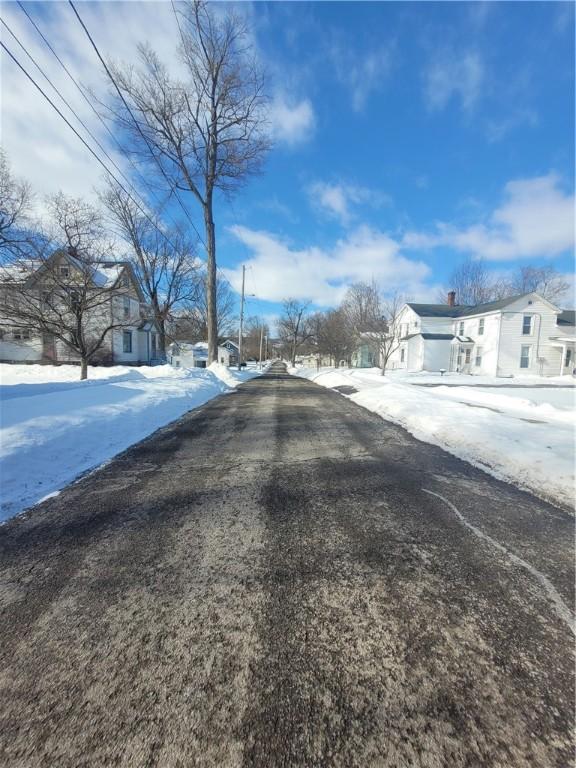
x=241 y=328
x=261 y=340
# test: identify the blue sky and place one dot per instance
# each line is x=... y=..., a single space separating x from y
x=408 y=137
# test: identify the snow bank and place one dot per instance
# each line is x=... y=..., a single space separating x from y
x=54 y=427
x=517 y=439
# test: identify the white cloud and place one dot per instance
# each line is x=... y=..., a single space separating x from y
x=293 y=122
x=331 y=198
x=338 y=199
x=536 y=219
x=496 y=130
x=323 y=275
x=362 y=73
x=38 y=143
x=454 y=75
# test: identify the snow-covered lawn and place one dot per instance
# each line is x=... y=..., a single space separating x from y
x=54 y=427
x=525 y=434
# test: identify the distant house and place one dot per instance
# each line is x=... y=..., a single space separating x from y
x=312 y=360
x=365 y=355
x=524 y=334
x=232 y=349
x=187 y=354
x=133 y=342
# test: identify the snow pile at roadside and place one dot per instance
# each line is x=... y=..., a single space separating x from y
x=54 y=427
x=515 y=439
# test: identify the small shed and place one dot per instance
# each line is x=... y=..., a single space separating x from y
x=185 y=354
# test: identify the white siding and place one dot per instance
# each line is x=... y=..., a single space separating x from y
x=436 y=324
x=436 y=354
x=21 y=351
x=414 y=353
x=487 y=340
x=117 y=343
x=545 y=359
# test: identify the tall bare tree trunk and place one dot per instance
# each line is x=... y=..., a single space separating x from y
x=161 y=339
x=83 y=368
x=212 y=318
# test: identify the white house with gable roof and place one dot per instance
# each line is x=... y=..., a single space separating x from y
x=133 y=342
x=519 y=335
x=187 y=354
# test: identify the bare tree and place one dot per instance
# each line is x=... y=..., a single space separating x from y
x=74 y=296
x=373 y=319
x=15 y=205
x=164 y=258
x=293 y=326
x=334 y=335
x=545 y=281
x=191 y=324
x=386 y=331
x=208 y=132
x=472 y=284
x=254 y=330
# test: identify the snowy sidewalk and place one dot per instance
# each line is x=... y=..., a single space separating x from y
x=54 y=427
x=526 y=437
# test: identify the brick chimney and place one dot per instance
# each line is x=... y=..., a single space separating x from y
x=451 y=298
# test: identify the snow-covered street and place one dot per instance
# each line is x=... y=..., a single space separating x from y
x=283 y=568
x=54 y=427
x=519 y=431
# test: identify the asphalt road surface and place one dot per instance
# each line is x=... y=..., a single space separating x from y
x=282 y=578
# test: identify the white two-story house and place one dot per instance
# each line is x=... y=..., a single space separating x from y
x=519 y=335
x=134 y=340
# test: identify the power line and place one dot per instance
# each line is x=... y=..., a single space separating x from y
x=84 y=142
x=221 y=275
x=84 y=96
x=136 y=123
x=64 y=100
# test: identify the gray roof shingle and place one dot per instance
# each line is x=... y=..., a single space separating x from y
x=567 y=317
x=444 y=310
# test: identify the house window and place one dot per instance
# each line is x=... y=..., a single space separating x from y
x=478 y=358
x=525 y=351
x=126 y=307
x=461 y=328
x=127 y=341
x=402 y=355
x=74 y=299
x=21 y=334
x=154 y=344
x=568 y=358
x=527 y=325
x=467 y=355
x=481 y=327
x=64 y=271
x=459 y=358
